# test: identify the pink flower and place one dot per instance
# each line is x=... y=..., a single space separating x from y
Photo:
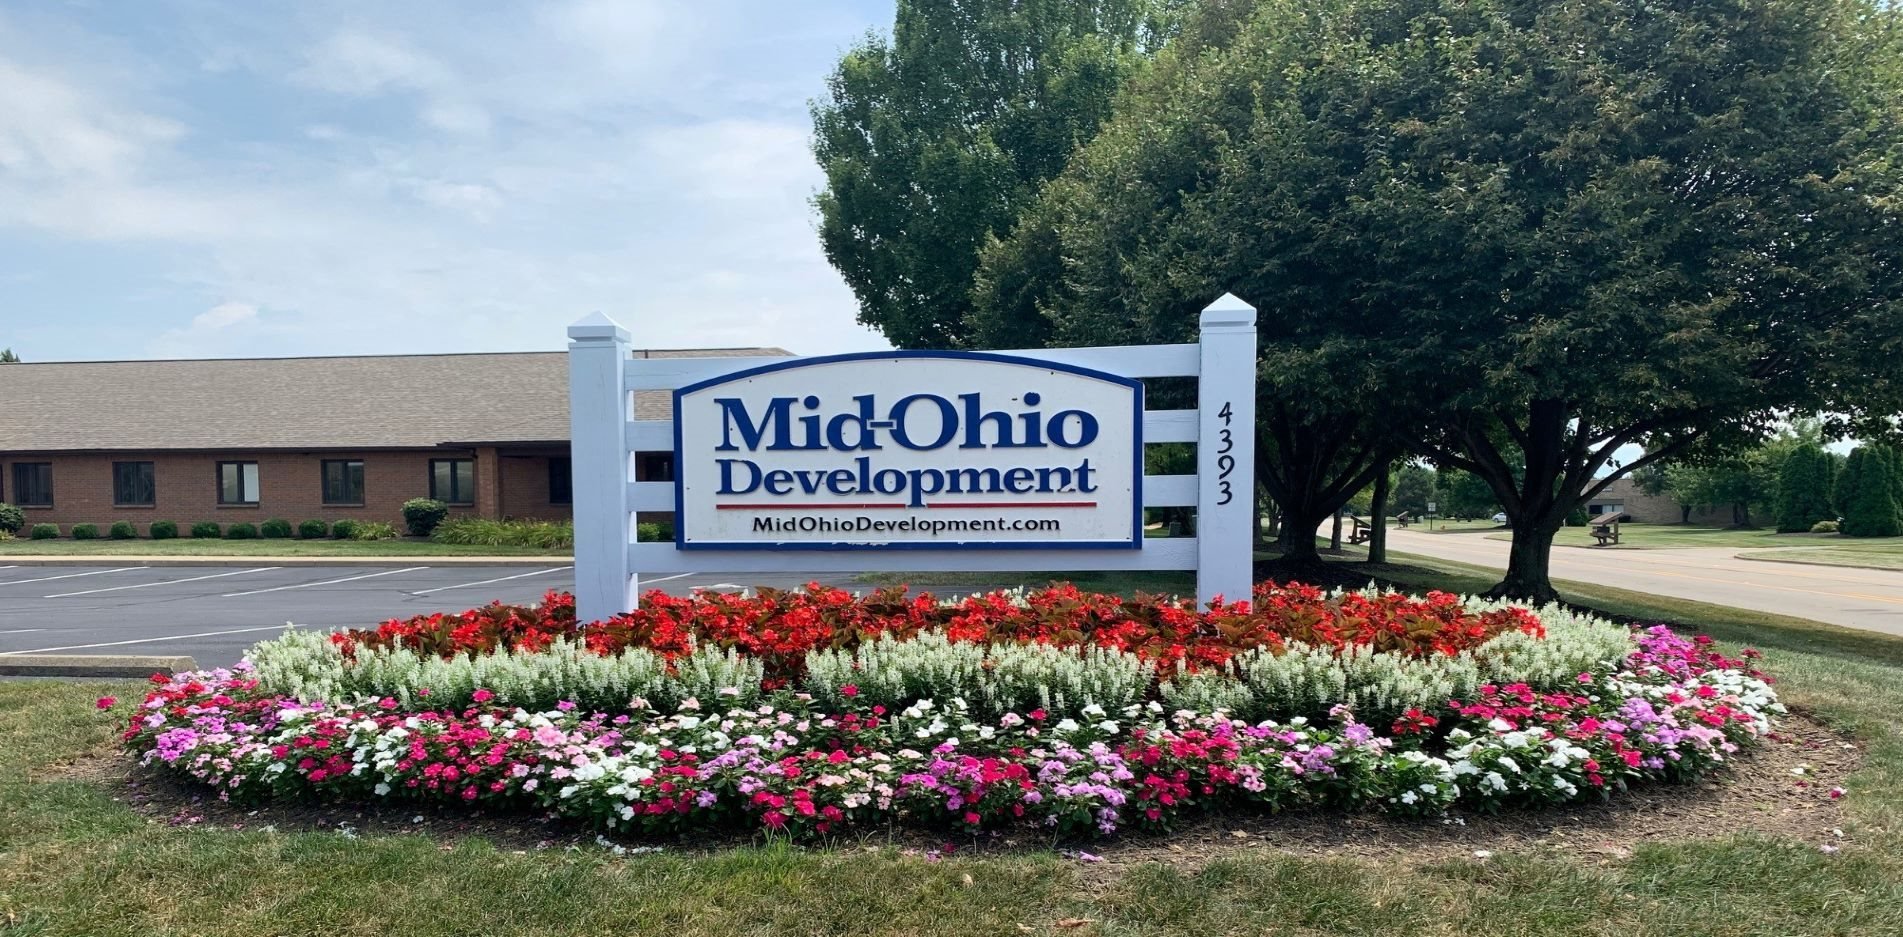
x=106 y=702
x=849 y=691
x=1836 y=793
x=482 y=696
x=566 y=705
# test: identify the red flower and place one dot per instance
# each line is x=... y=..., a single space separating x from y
x=849 y=690
x=106 y=702
x=482 y=696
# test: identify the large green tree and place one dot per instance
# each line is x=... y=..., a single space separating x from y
x=1803 y=488
x=8 y=357
x=1870 y=492
x=935 y=138
x=1568 y=226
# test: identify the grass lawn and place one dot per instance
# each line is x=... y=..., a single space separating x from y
x=73 y=861
x=1873 y=554
x=186 y=546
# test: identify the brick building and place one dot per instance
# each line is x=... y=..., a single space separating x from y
x=1624 y=496
x=243 y=440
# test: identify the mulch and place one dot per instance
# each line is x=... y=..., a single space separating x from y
x=1781 y=788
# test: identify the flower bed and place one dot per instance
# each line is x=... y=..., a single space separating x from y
x=694 y=736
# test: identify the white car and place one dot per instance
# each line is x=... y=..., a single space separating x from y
x=1500 y=518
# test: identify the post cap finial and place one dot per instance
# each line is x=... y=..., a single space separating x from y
x=597 y=327
x=1228 y=309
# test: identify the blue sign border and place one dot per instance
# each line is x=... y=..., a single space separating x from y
x=1136 y=485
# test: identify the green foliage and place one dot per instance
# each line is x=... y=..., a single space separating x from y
x=934 y=140
x=344 y=529
x=45 y=532
x=1536 y=219
x=1869 y=493
x=653 y=532
x=372 y=530
x=421 y=515
x=123 y=530
x=85 y=531
x=207 y=530
x=313 y=530
x=1803 y=489
x=241 y=531
x=275 y=529
x=1824 y=527
x=1464 y=494
x=163 y=530
x=487 y=532
x=1414 y=486
x=12 y=519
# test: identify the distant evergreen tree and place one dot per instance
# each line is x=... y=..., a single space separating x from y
x=1869 y=493
x=1803 y=489
x=8 y=357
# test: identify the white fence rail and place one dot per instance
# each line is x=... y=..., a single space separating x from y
x=606 y=436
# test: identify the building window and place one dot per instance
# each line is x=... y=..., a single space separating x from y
x=237 y=483
x=33 y=484
x=343 y=481
x=561 y=481
x=453 y=481
x=656 y=467
x=133 y=484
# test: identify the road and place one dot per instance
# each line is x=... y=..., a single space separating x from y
x=214 y=612
x=1855 y=598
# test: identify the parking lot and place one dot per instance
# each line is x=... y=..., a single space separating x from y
x=213 y=613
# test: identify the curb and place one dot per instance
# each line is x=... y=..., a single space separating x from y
x=312 y=561
x=90 y=665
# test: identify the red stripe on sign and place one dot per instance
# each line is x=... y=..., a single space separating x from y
x=809 y=507
x=1013 y=504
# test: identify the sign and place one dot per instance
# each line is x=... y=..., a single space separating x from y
x=925 y=449
x=1431 y=506
x=908 y=461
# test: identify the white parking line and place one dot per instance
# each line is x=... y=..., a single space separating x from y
x=22 y=631
x=170 y=637
x=165 y=582
x=666 y=578
x=465 y=585
x=96 y=572
x=327 y=582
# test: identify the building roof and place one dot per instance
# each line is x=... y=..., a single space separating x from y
x=358 y=402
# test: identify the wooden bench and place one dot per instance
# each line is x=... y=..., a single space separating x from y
x=1605 y=528
x=1403 y=519
x=1361 y=532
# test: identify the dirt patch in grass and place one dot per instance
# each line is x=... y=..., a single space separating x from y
x=1781 y=789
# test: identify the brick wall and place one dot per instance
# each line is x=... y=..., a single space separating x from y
x=289 y=487
x=525 y=485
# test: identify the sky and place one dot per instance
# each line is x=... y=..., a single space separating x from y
x=219 y=179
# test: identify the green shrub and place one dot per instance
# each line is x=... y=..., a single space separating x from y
x=342 y=530
x=163 y=530
x=45 y=532
x=242 y=531
x=123 y=530
x=421 y=515
x=275 y=529
x=1803 y=488
x=1824 y=527
x=1868 y=493
x=206 y=530
x=487 y=532
x=654 y=532
x=12 y=519
x=85 y=531
x=373 y=530
x=313 y=530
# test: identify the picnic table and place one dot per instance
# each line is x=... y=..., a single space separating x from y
x=1403 y=519
x=1605 y=527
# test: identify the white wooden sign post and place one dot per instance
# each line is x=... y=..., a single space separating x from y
x=911 y=461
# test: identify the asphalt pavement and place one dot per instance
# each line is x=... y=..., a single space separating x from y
x=1869 y=599
x=214 y=612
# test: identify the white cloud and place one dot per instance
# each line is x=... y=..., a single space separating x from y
x=224 y=316
x=577 y=169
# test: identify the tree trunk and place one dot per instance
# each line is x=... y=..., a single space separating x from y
x=1529 y=563
x=1378 y=535
x=1684 y=513
x=1334 y=537
x=1298 y=535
